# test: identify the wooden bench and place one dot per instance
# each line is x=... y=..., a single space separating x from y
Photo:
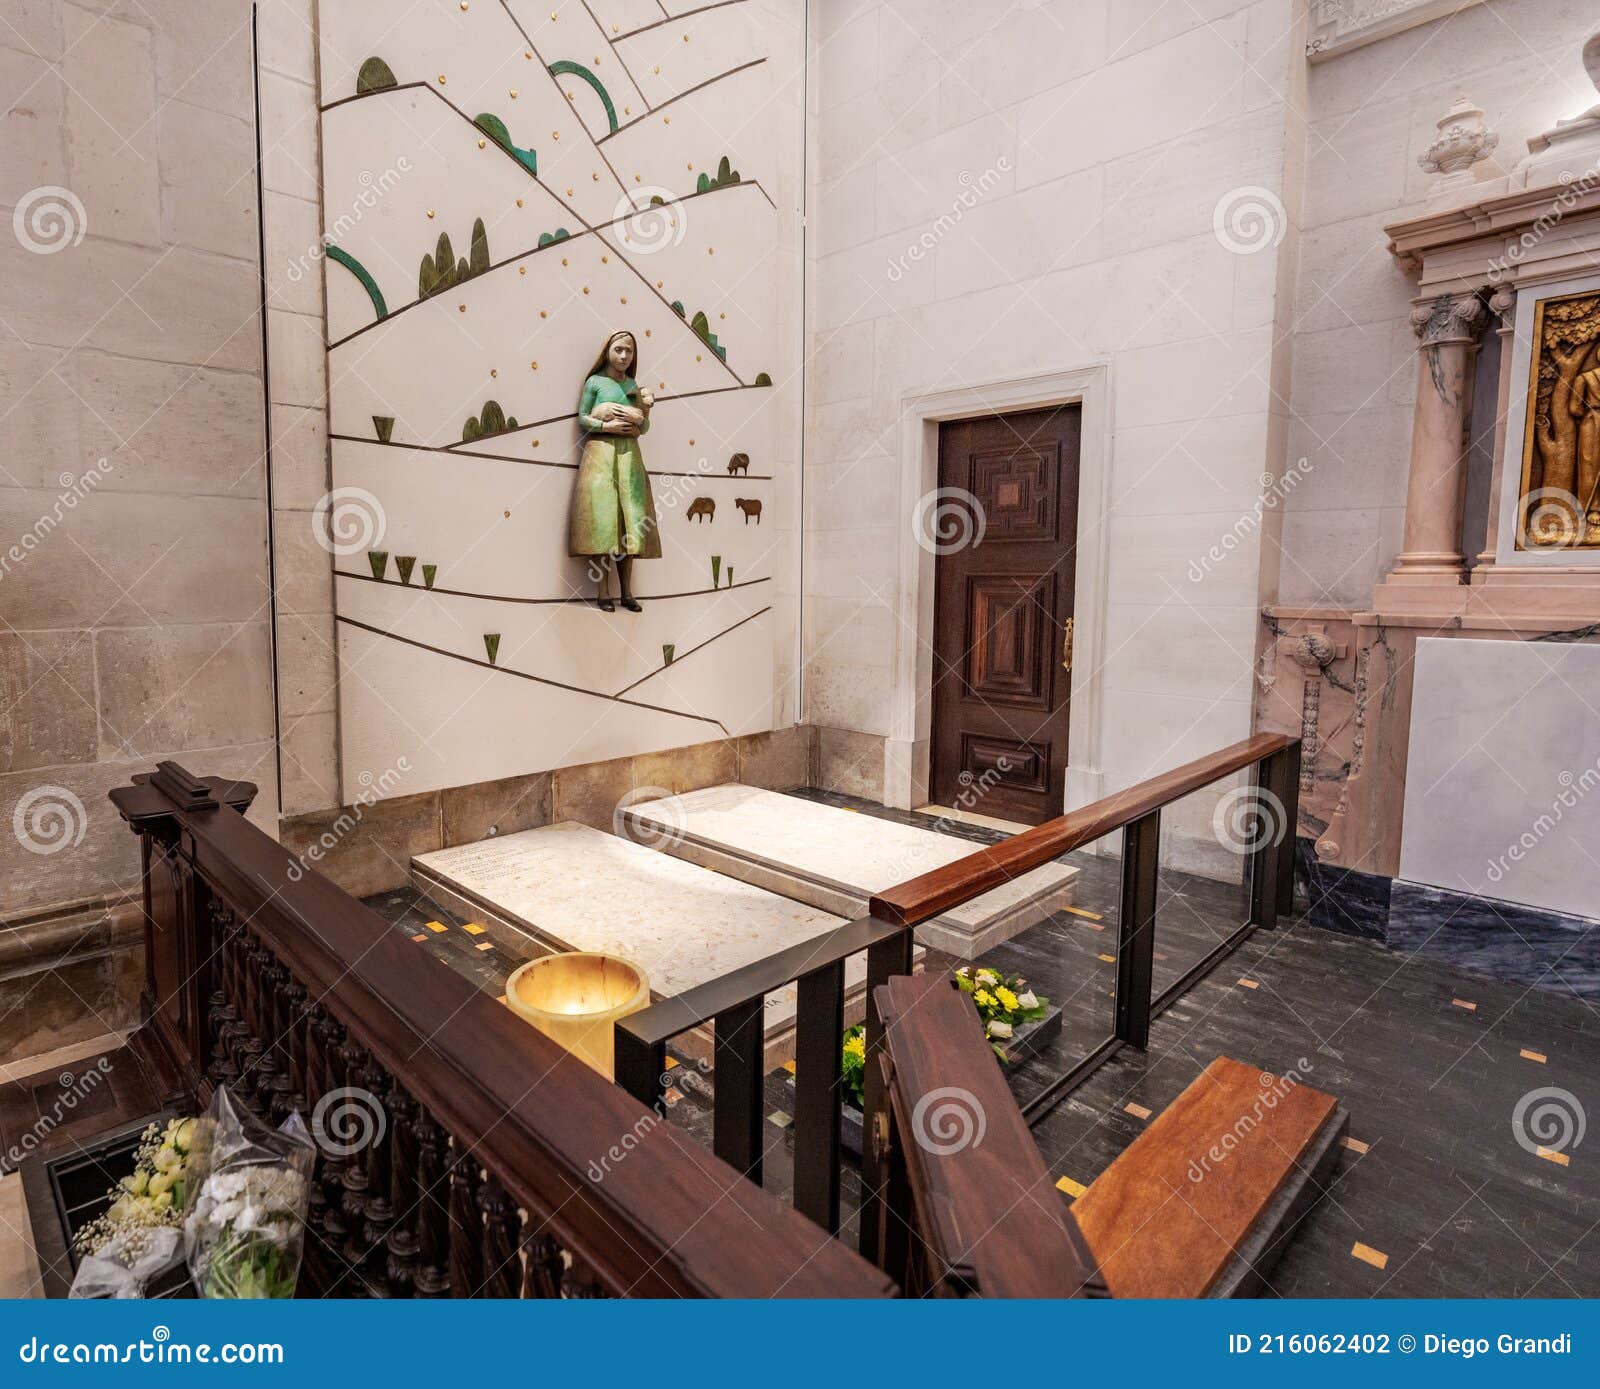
x=1203 y=1201
x=1199 y=1205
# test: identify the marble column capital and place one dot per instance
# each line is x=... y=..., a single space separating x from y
x=1503 y=304
x=1448 y=318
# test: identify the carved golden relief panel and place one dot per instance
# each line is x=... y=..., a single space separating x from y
x=1559 y=505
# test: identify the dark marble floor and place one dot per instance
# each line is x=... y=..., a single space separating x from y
x=1434 y=1196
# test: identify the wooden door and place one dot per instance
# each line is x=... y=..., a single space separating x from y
x=1003 y=615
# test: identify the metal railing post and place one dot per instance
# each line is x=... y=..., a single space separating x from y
x=1136 y=928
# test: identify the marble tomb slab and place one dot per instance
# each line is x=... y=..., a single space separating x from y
x=569 y=887
x=835 y=859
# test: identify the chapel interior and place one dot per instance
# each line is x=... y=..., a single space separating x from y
x=809 y=648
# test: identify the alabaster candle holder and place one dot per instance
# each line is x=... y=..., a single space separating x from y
x=575 y=998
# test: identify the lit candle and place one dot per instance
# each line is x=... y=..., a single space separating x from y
x=575 y=999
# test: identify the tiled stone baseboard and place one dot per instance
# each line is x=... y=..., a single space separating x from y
x=1503 y=940
x=368 y=849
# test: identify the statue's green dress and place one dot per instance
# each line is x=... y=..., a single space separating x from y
x=613 y=512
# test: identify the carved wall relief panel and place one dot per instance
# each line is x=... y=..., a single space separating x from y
x=1558 y=505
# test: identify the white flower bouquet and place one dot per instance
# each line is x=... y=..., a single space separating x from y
x=245 y=1223
x=136 y=1240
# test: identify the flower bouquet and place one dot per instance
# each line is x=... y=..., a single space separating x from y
x=1004 y=1003
x=244 y=1228
x=136 y=1239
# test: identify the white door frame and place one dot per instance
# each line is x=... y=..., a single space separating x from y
x=906 y=754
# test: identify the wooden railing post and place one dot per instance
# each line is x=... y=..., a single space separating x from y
x=1277 y=805
x=638 y=1066
x=819 y=1025
x=885 y=959
x=739 y=1076
x=1136 y=928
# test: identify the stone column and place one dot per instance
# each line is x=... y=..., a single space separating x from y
x=1448 y=328
x=1503 y=304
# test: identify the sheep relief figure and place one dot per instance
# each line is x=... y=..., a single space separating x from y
x=613 y=513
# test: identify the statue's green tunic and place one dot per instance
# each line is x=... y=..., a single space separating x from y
x=613 y=512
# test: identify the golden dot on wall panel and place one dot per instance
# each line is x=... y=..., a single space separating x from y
x=528 y=55
x=605 y=260
x=535 y=443
x=595 y=177
x=492 y=370
x=666 y=120
x=463 y=308
x=658 y=67
x=441 y=79
x=638 y=178
x=430 y=212
x=627 y=110
x=586 y=289
x=544 y=313
x=508 y=515
x=624 y=298
x=569 y=192
x=686 y=38
x=563 y=260
x=698 y=357
x=534 y=365
x=659 y=283
x=689 y=167
x=647 y=332
x=482 y=143
x=519 y=202
x=722 y=315
x=513 y=93
x=691 y=443
x=522 y=270
x=661 y=385
x=555 y=134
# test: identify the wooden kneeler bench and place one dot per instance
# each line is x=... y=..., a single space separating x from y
x=1207 y=1197
x=1199 y=1205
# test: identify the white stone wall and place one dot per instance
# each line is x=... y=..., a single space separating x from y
x=297 y=378
x=133 y=587
x=1057 y=168
x=1372 y=111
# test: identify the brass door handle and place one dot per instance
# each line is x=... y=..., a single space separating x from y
x=1066 y=646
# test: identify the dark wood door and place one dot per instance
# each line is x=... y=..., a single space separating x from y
x=1003 y=613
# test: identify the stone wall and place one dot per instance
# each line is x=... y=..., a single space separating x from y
x=1372 y=113
x=1061 y=186
x=134 y=614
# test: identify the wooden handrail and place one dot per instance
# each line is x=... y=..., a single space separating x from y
x=921 y=898
x=666 y=1219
